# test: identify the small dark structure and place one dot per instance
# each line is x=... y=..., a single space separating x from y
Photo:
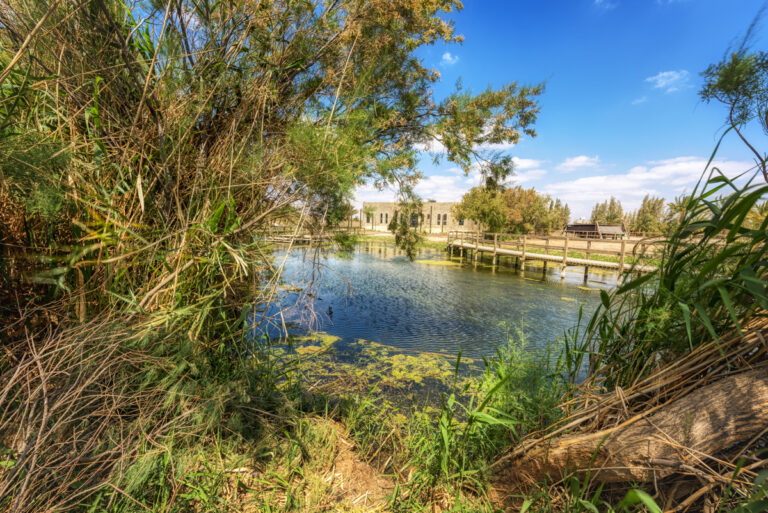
x=597 y=231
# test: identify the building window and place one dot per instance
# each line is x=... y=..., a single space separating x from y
x=461 y=222
x=381 y=218
x=445 y=219
x=386 y=218
x=367 y=218
x=414 y=220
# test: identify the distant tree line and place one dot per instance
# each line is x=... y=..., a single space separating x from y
x=656 y=215
x=519 y=210
x=512 y=209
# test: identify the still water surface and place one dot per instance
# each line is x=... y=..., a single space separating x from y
x=433 y=304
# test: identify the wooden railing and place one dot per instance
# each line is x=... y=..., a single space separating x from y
x=530 y=245
x=289 y=230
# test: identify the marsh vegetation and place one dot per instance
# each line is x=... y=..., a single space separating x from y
x=150 y=148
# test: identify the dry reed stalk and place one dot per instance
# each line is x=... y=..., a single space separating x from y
x=73 y=414
x=598 y=417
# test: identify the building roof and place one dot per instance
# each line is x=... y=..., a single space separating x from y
x=608 y=229
x=581 y=228
x=612 y=229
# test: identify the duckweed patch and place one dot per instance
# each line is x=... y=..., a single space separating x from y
x=443 y=263
x=365 y=366
x=315 y=342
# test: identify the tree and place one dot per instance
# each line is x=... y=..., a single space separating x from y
x=608 y=212
x=405 y=236
x=484 y=206
x=525 y=209
x=559 y=216
x=675 y=213
x=650 y=215
x=166 y=137
x=630 y=220
x=368 y=212
x=740 y=82
x=528 y=211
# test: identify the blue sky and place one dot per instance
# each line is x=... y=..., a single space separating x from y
x=621 y=113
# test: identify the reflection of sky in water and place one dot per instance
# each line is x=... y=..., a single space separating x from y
x=377 y=294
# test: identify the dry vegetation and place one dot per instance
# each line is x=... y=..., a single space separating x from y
x=148 y=149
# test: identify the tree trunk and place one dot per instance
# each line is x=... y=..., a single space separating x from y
x=705 y=422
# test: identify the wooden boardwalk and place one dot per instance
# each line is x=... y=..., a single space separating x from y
x=287 y=238
x=520 y=246
x=288 y=235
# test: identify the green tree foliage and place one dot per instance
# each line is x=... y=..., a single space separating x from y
x=165 y=138
x=408 y=213
x=494 y=116
x=608 y=212
x=495 y=170
x=559 y=215
x=650 y=215
x=528 y=211
x=740 y=82
x=513 y=209
x=367 y=214
x=675 y=212
x=484 y=206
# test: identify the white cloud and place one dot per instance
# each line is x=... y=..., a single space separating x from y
x=665 y=178
x=451 y=185
x=446 y=188
x=522 y=177
x=449 y=59
x=638 y=101
x=526 y=163
x=370 y=193
x=669 y=81
x=580 y=162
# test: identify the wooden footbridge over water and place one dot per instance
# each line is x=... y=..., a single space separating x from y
x=288 y=235
x=622 y=254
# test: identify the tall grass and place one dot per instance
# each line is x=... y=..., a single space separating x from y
x=147 y=148
x=712 y=278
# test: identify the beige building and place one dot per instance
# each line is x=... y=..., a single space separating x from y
x=435 y=217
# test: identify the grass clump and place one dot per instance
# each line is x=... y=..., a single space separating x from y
x=152 y=147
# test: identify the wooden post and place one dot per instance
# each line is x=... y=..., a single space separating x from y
x=565 y=257
x=495 y=248
x=522 y=261
x=586 y=266
x=477 y=245
x=546 y=246
x=450 y=245
x=621 y=257
x=461 y=247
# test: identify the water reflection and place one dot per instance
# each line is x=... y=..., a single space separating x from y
x=434 y=304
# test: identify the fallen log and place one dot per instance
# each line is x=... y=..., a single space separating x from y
x=679 y=436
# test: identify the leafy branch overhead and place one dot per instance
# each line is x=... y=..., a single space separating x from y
x=740 y=82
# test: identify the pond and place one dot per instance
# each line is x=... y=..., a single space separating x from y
x=434 y=304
